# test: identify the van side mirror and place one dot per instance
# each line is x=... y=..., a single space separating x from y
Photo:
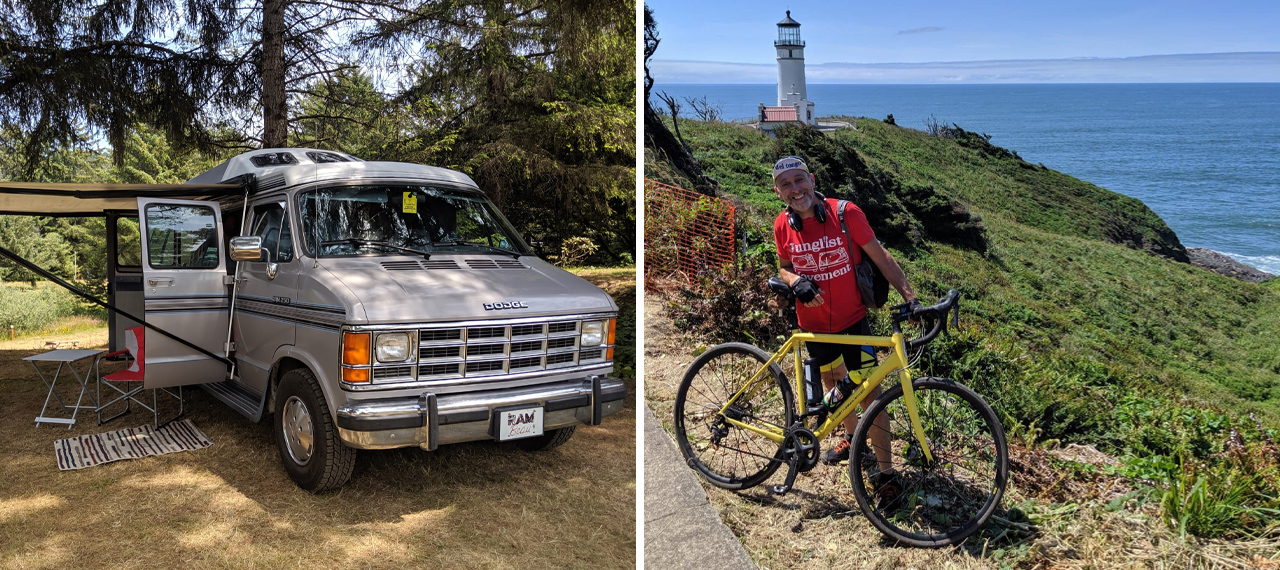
x=246 y=248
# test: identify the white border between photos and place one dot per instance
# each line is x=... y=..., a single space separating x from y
x=639 y=258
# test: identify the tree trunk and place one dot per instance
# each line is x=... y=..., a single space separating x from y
x=659 y=138
x=275 y=113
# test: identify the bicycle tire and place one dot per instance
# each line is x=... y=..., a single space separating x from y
x=943 y=502
x=726 y=456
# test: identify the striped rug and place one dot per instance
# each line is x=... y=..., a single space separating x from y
x=132 y=443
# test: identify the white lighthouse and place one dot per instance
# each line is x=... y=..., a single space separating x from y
x=793 y=98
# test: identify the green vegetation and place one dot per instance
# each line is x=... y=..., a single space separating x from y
x=534 y=100
x=44 y=308
x=1081 y=322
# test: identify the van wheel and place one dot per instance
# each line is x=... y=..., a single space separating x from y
x=549 y=440
x=310 y=449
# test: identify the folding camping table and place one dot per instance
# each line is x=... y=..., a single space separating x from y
x=67 y=358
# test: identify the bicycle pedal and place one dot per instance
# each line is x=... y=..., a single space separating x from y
x=789 y=482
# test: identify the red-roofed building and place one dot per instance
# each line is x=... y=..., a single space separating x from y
x=778 y=114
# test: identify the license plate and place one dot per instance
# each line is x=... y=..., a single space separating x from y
x=515 y=424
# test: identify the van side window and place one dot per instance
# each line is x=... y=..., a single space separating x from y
x=182 y=237
x=128 y=242
x=270 y=222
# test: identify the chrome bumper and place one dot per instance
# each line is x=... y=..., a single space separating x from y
x=431 y=419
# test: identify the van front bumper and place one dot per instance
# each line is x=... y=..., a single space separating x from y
x=431 y=420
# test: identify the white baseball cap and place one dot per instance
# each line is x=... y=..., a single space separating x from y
x=788 y=163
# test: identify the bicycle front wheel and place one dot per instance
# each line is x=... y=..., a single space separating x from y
x=726 y=455
x=936 y=502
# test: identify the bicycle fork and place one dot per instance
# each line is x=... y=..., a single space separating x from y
x=909 y=397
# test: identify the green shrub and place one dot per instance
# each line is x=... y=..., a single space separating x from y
x=729 y=304
x=1219 y=501
x=30 y=310
x=904 y=215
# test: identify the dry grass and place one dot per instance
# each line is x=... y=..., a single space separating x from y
x=476 y=505
x=1080 y=523
x=72 y=324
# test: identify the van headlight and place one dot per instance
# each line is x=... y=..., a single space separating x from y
x=393 y=347
x=592 y=333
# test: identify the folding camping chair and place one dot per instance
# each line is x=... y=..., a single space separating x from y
x=123 y=382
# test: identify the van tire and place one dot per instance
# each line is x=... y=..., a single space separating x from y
x=315 y=457
x=550 y=440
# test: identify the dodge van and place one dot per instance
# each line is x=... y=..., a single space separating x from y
x=361 y=305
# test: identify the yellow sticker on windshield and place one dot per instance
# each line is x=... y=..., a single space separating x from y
x=410 y=203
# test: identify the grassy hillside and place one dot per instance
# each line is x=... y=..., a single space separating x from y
x=1081 y=320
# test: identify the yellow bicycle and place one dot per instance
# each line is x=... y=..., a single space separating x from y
x=736 y=423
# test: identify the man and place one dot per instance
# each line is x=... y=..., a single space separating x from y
x=814 y=259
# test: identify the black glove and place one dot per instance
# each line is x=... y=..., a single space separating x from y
x=805 y=289
x=913 y=306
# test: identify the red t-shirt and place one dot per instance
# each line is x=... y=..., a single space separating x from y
x=819 y=252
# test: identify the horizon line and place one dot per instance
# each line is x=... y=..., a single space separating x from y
x=952 y=62
x=945 y=84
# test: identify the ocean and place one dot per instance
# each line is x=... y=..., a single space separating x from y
x=1205 y=157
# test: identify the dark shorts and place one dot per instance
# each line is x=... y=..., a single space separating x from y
x=853 y=356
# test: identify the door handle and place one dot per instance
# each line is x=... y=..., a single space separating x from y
x=161 y=281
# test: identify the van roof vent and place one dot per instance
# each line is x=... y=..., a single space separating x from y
x=321 y=157
x=494 y=264
x=271 y=182
x=273 y=159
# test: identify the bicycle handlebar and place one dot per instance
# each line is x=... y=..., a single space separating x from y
x=934 y=317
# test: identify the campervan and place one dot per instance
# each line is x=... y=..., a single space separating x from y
x=358 y=305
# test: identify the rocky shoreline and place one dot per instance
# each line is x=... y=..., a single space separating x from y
x=1223 y=265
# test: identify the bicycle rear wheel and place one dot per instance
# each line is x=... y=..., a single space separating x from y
x=728 y=456
x=943 y=501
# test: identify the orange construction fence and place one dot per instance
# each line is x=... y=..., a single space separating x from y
x=685 y=233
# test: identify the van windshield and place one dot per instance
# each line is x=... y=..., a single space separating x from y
x=347 y=220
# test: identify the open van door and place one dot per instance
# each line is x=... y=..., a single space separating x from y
x=183 y=271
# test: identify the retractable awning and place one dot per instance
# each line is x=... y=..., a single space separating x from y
x=77 y=200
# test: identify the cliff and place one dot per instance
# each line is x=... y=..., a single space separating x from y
x=1083 y=321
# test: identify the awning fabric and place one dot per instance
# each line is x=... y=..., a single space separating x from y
x=75 y=200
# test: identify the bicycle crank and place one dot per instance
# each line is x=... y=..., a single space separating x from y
x=801 y=450
x=803 y=444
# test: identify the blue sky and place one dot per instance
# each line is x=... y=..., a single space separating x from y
x=1019 y=41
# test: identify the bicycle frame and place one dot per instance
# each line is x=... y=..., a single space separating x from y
x=897 y=360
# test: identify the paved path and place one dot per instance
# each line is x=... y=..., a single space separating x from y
x=681 y=529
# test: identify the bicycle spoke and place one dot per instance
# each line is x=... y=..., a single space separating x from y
x=935 y=501
x=727 y=454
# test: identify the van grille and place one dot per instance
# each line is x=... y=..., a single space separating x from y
x=440 y=335
x=491 y=352
x=483 y=366
x=393 y=372
x=527 y=346
x=566 y=342
x=440 y=352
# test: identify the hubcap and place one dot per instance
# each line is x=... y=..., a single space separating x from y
x=298 y=435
